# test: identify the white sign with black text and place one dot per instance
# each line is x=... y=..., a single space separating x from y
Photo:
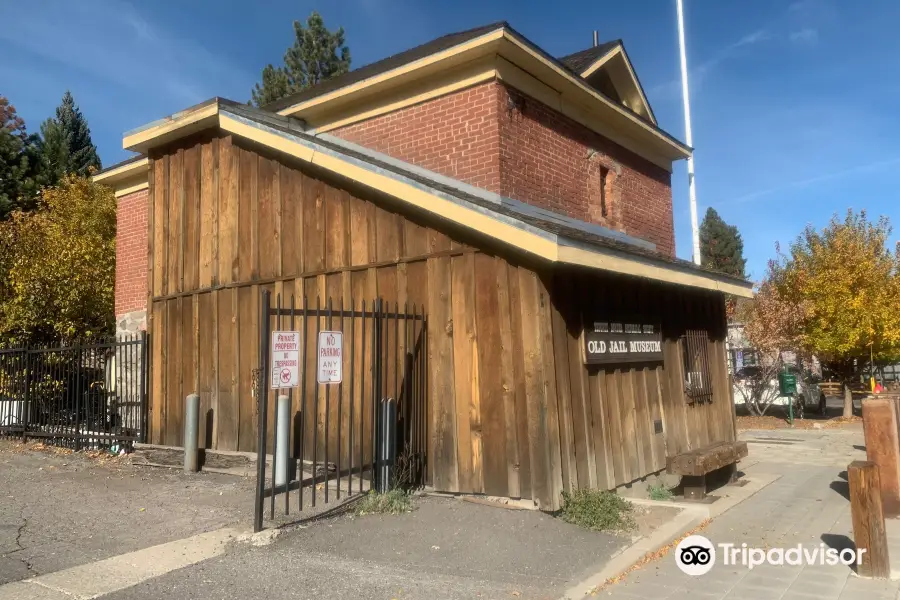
x=285 y=359
x=330 y=353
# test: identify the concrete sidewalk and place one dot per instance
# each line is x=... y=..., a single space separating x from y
x=807 y=505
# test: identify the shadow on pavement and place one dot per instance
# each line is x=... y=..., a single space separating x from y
x=842 y=488
x=839 y=543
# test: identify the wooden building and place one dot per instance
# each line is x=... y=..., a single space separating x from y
x=561 y=353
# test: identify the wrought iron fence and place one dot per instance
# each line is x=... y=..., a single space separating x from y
x=338 y=434
x=82 y=395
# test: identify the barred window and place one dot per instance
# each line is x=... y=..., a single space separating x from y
x=695 y=357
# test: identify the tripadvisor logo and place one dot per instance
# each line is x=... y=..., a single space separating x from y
x=696 y=555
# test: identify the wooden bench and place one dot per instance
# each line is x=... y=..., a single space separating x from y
x=695 y=465
x=832 y=388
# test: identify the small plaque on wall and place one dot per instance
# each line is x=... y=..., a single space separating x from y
x=608 y=343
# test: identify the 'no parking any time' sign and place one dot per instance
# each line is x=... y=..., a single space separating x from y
x=330 y=355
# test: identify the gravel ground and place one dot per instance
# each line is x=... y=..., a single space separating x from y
x=60 y=509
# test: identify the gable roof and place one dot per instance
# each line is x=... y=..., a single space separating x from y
x=613 y=58
x=541 y=234
x=580 y=61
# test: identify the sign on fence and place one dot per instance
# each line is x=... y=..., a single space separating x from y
x=285 y=359
x=330 y=352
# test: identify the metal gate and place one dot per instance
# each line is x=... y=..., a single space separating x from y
x=327 y=441
x=82 y=395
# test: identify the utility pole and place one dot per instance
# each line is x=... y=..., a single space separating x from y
x=692 y=189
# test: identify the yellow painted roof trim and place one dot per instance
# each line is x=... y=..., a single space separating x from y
x=683 y=150
x=599 y=62
x=524 y=238
x=123 y=172
x=472 y=74
x=482 y=45
x=131 y=189
x=196 y=118
x=393 y=73
x=619 y=52
x=126 y=179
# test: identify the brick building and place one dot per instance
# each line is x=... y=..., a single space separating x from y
x=547 y=163
x=474 y=115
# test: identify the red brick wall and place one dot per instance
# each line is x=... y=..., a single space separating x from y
x=456 y=135
x=530 y=153
x=551 y=161
x=131 y=252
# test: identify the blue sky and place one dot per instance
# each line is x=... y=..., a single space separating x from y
x=794 y=103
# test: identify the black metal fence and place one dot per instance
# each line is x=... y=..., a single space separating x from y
x=82 y=395
x=342 y=437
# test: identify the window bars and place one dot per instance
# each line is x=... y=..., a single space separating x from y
x=695 y=360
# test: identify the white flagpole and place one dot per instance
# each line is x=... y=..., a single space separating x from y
x=692 y=190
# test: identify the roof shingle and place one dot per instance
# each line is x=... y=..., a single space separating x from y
x=581 y=60
x=385 y=64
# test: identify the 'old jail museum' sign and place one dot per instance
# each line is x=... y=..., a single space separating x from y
x=615 y=343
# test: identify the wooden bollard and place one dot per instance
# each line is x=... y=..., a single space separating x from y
x=868 y=520
x=883 y=449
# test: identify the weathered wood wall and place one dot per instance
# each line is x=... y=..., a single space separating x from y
x=512 y=409
x=607 y=433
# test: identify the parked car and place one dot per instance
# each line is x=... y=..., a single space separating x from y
x=810 y=396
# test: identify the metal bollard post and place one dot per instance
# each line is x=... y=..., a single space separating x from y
x=387 y=444
x=282 y=441
x=191 y=433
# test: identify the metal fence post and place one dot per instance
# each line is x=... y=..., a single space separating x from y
x=262 y=409
x=26 y=417
x=77 y=397
x=377 y=369
x=387 y=446
x=191 y=433
x=144 y=394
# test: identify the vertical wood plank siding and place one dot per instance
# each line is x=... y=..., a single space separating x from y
x=512 y=409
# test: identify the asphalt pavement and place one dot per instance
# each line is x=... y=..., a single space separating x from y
x=446 y=548
x=59 y=511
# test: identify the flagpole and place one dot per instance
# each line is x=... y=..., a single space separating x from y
x=692 y=190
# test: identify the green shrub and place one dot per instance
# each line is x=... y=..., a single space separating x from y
x=394 y=502
x=658 y=491
x=597 y=511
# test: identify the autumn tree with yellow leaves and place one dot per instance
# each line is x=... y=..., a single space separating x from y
x=835 y=295
x=57 y=265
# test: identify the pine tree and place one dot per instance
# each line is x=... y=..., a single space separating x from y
x=316 y=55
x=721 y=246
x=20 y=176
x=67 y=147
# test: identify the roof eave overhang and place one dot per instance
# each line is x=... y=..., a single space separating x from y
x=517 y=234
x=126 y=179
x=507 y=44
x=576 y=90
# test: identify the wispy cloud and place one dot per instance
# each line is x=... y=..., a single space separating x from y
x=110 y=40
x=812 y=181
x=749 y=39
x=805 y=36
x=698 y=73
